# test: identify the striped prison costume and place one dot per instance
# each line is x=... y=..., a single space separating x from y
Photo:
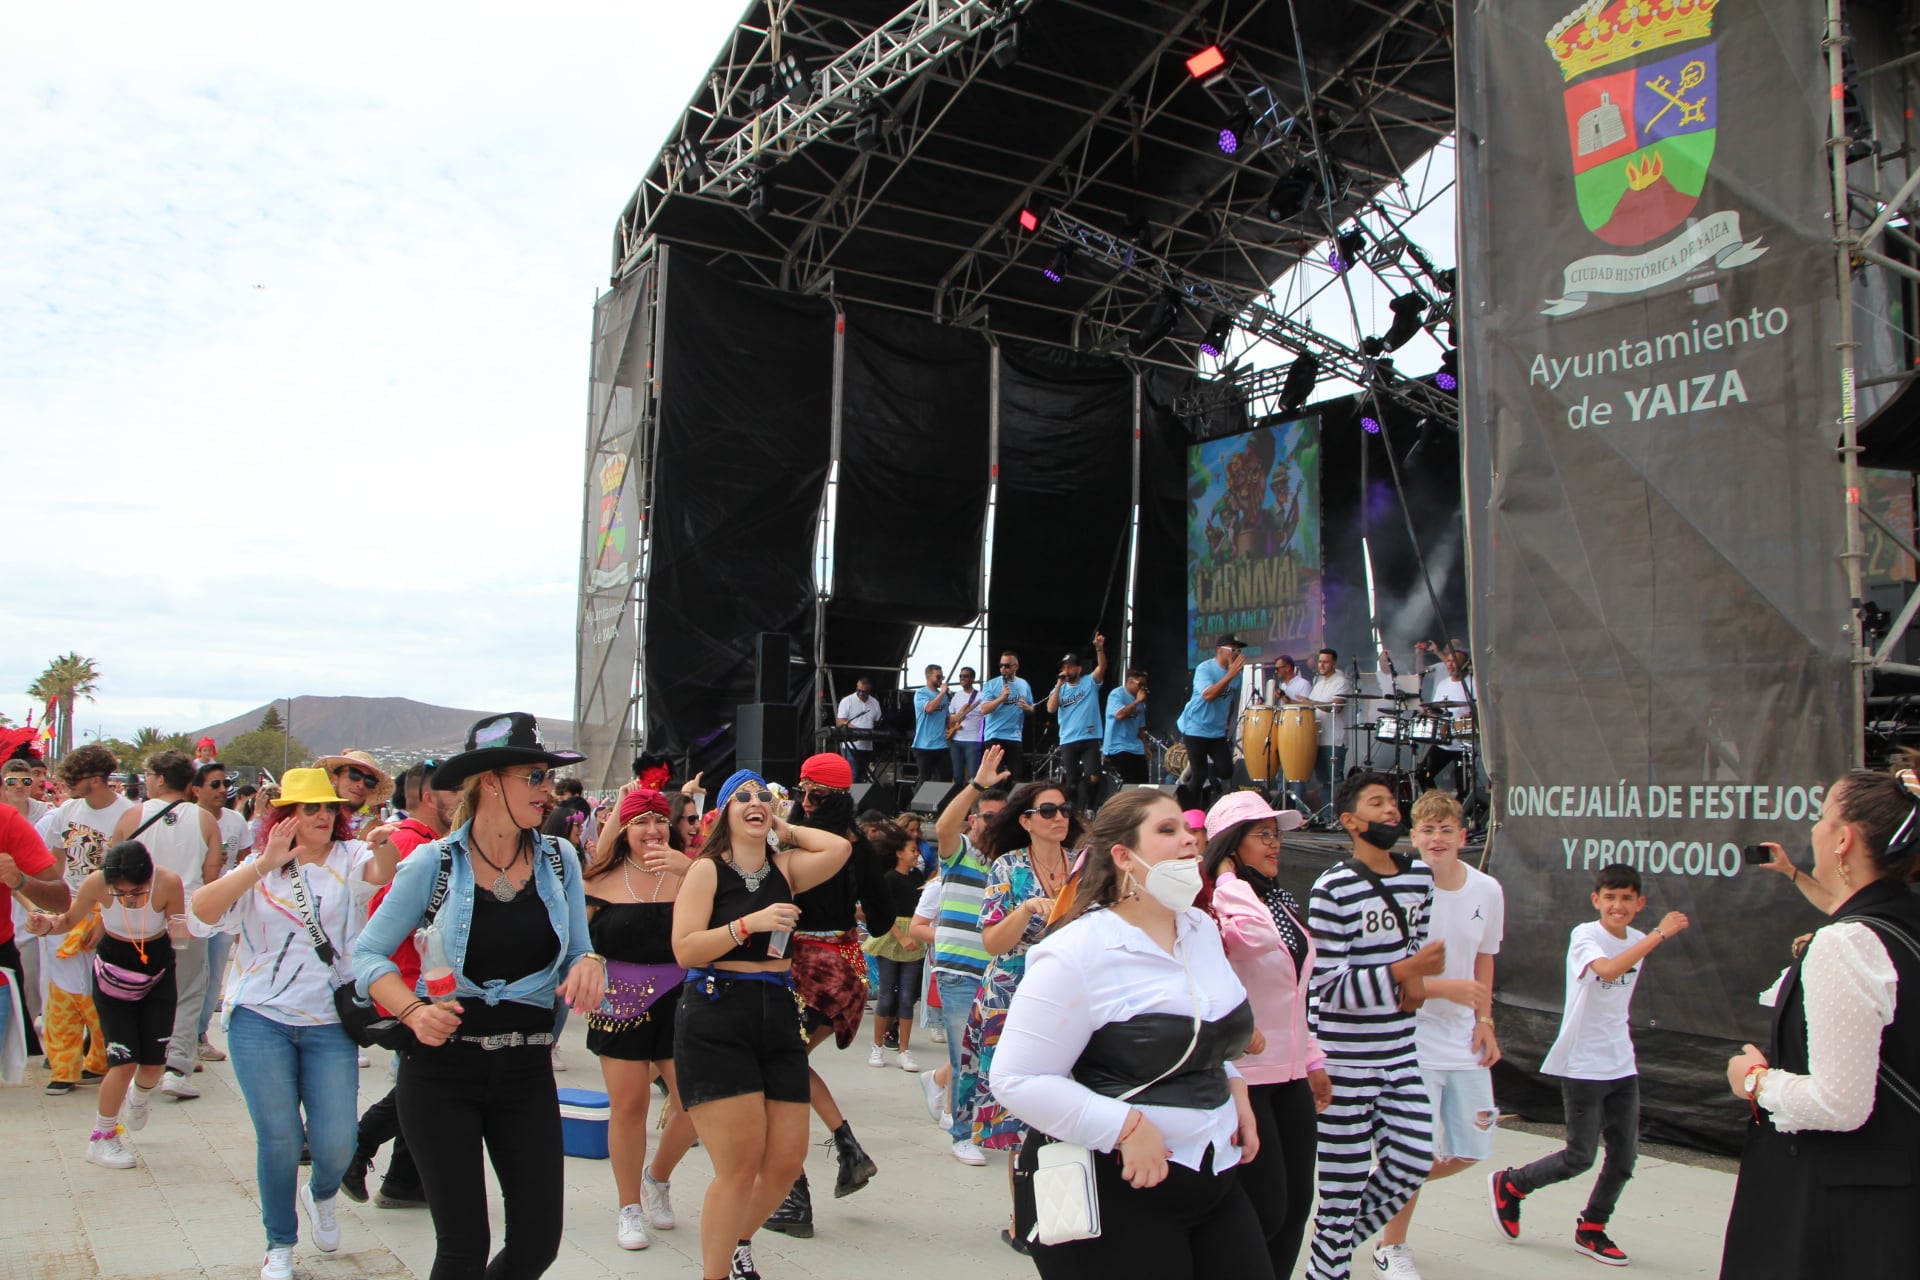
x=1376 y=1136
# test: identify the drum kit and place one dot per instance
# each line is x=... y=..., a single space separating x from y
x=1409 y=724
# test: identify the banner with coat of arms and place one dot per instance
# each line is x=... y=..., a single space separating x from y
x=1650 y=391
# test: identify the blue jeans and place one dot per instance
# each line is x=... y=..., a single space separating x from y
x=957 y=992
x=217 y=947
x=281 y=1069
x=966 y=759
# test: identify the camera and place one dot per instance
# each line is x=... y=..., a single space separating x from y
x=1756 y=855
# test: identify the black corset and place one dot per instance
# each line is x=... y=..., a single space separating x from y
x=1123 y=1055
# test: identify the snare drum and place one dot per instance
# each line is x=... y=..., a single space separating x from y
x=1464 y=727
x=1429 y=728
x=1392 y=729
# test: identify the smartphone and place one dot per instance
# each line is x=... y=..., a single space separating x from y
x=1756 y=855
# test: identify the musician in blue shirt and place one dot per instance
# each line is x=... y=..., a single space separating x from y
x=1209 y=712
x=930 y=728
x=1076 y=701
x=1009 y=698
x=1126 y=716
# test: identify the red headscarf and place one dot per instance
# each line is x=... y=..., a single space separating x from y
x=642 y=800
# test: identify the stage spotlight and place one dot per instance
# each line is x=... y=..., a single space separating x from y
x=1156 y=324
x=693 y=161
x=1030 y=220
x=1370 y=424
x=795 y=80
x=1379 y=372
x=1448 y=378
x=1347 y=248
x=1006 y=45
x=1371 y=347
x=1230 y=135
x=866 y=127
x=1408 y=310
x=1296 y=193
x=1301 y=379
x=1060 y=265
x=1208 y=65
x=757 y=196
x=1219 y=329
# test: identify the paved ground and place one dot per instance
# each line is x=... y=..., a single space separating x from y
x=189 y=1210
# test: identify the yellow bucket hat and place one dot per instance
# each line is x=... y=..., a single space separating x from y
x=306 y=786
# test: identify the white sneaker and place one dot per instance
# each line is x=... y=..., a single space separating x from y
x=320 y=1216
x=632 y=1233
x=939 y=1035
x=365 y=1061
x=138 y=1108
x=104 y=1149
x=560 y=1064
x=966 y=1153
x=946 y=1117
x=279 y=1263
x=176 y=1085
x=1395 y=1261
x=936 y=1096
x=908 y=1062
x=878 y=1058
x=657 y=1199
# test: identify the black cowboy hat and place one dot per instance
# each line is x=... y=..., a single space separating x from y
x=496 y=742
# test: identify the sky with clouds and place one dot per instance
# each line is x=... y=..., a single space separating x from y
x=294 y=318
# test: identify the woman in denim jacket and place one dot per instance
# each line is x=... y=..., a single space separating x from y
x=513 y=924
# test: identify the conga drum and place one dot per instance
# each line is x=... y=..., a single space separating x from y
x=1256 y=742
x=1298 y=738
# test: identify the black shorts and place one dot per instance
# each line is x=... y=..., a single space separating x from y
x=648 y=1041
x=746 y=1039
x=138 y=1031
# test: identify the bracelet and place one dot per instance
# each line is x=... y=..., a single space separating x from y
x=1486 y=1021
x=975 y=784
x=1795 y=877
x=417 y=1003
x=1131 y=1125
x=733 y=933
x=594 y=955
x=1659 y=933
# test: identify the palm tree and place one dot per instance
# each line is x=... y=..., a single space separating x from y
x=66 y=678
x=147 y=741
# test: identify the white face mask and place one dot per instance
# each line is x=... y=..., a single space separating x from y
x=1174 y=884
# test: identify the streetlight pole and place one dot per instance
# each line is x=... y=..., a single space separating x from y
x=286 y=739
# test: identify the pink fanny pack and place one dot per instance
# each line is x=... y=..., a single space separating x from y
x=121 y=983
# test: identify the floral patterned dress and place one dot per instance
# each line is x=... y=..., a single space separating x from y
x=1011 y=882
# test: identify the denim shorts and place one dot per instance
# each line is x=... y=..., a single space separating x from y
x=1464 y=1116
x=745 y=1038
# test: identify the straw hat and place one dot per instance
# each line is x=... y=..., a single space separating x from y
x=306 y=786
x=364 y=762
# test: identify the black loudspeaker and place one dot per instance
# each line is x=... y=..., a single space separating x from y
x=888 y=797
x=928 y=795
x=766 y=740
x=771 y=654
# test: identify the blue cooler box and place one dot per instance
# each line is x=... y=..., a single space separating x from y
x=583 y=1123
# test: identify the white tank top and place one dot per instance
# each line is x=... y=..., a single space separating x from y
x=176 y=842
x=132 y=924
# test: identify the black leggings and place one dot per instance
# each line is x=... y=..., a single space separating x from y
x=453 y=1098
x=1193 y=1225
x=1279 y=1182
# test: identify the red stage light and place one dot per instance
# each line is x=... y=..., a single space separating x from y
x=1206 y=62
x=1029 y=220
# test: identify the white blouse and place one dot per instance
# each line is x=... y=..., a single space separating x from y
x=1850 y=993
x=1098 y=970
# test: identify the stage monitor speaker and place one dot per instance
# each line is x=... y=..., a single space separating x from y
x=928 y=795
x=766 y=740
x=884 y=796
x=771 y=654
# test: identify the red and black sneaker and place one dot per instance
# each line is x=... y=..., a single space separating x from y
x=1590 y=1238
x=1505 y=1198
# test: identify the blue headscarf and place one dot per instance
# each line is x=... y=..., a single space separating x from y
x=739 y=779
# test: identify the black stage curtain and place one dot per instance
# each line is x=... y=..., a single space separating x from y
x=1061 y=525
x=914 y=415
x=745 y=417
x=1160 y=585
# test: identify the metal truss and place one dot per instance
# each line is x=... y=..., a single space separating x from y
x=725 y=161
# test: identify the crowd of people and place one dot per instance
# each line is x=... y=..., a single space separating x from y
x=1182 y=1065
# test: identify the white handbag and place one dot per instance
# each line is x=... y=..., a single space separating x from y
x=1066 y=1201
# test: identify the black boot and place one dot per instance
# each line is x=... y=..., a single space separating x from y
x=353 y=1183
x=856 y=1166
x=794 y=1217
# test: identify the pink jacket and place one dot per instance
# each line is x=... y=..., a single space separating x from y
x=1276 y=989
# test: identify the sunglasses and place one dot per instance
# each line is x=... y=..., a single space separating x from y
x=744 y=796
x=130 y=894
x=308 y=810
x=19 y=782
x=534 y=777
x=1051 y=810
x=354 y=775
x=1008 y=666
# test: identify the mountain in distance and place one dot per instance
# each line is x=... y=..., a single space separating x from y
x=394 y=729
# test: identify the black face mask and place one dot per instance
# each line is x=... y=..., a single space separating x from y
x=1383 y=835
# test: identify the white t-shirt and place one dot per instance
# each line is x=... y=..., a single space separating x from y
x=929 y=905
x=83 y=833
x=1471 y=921
x=1333 y=720
x=1594 y=1042
x=275 y=970
x=859 y=715
x=1296 y=688
x=236 y=837
x=961 y=701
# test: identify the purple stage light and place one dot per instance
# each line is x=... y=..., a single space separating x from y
x=1371 y=425
x=1051 y=274
x=1229 y=141
x=1445 y=381
x=1208 y=349
x=1338 y=263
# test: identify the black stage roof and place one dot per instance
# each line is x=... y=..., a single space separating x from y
x=1097 y=125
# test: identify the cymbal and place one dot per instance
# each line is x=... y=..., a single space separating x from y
x=1385 y=697
x=1449 y=704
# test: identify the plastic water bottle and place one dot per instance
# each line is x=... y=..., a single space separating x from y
x=436 y=965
